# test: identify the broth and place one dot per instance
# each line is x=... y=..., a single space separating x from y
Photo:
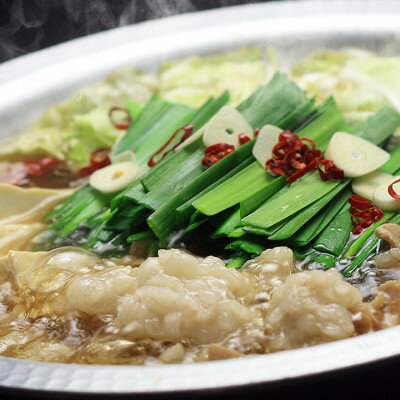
x=81 y=309
x=57 y=178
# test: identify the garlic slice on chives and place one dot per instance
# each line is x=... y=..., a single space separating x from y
x=267 y=138
x=114 y=177
x=354 y=155
x=382 y=199
x=225 y=127
x=365 y=185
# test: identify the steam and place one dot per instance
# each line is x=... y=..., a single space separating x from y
x=91 y=15
x=21 y=16
x=161 y=8
x=35 y=24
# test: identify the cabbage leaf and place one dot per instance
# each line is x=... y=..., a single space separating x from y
x=361 y=82
x=71 y=130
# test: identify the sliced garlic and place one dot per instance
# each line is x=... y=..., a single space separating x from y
x=354 y=155
x=365 y=185
x=225 y=127
x=382 y=199
x=114 y=177
x=267 y=138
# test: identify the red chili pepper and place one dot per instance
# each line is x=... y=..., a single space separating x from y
x=174 y=141
x=309 y=141
x=287 y=142
x=216 y=152
x=48 y=162
x=392 y=192
x=86 y=171
x=40 y=167
x=294 y=157
x=301 y=172
x=243 y=139
x=276 y=166
x=98 y=159
x=363 y=213
x=359 y=203
x=330 y=171
x=318 y=154
x=364 y=219
x=22 y=171
x=121 y=123
x=256 y=132
x=33 y=168
x=288 y=136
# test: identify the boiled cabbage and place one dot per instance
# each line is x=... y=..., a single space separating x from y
x=71 y=130
x=193 y=80
x=361 y=82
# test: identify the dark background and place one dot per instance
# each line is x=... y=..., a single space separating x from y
x=29 y=25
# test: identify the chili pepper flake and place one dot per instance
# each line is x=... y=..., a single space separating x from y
x=98 y=159
x=243 y=139
x=216 y=152
x=363 y=213
x=294 y=157
x=120 y=118
x=173 y=142
x=48 y=163
x=329 y=172
x=392 y=192
x=23 y=171
x=301 y=172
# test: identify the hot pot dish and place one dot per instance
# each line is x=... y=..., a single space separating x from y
x=214 y=209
